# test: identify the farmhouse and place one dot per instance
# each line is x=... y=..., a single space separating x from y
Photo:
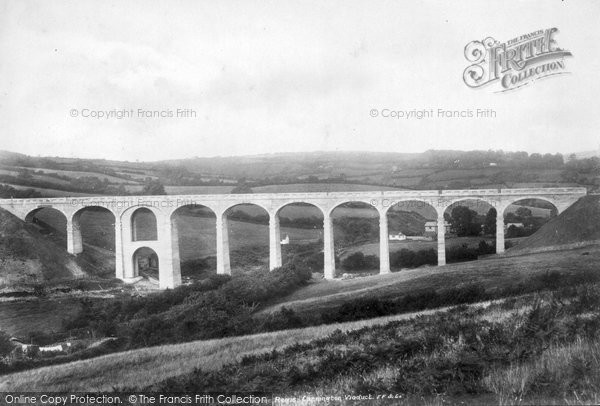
x=403 y=237
x=56 y=347
x=431 y=227
x=517 y=225
x=419 y=237
x=27 y=348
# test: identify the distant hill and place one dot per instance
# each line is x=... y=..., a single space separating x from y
x=588 y=154
x=310 y=171
x=407 y=222
x=27 y=257
x=578 y=224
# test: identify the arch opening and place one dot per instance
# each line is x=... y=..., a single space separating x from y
x=525 y=217
x=146 y=263
x=301 y=235
x=356 y=237
x=470 y=230
x=143 y=225
x=194 y=227
x=50 y=222
x=248 y=236
x=412 y=234
x=96 y=226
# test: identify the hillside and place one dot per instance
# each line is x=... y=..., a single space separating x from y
x=407 y=222
x=309 y=171
x=147 y=366
x=28 y=257
x=577 y=224
x=493 y=273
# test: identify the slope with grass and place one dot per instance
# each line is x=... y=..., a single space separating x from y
x=155 y=364
x=149 y=366
x=492 y=273
x=577 y=225
x=27 y=257
x=538 y=349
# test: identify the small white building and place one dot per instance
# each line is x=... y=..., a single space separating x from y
x=56 y=347
x=26 y=348
x=419 y=238
x=397 y=237
x=517 y=225
x=286 y=240
x=431 y=227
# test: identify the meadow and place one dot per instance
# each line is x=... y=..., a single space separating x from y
x=494 y=273
x=537 y=349
x=130 y=368
x=152 y=365
x=19 y=318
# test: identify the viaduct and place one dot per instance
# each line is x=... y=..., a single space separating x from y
x=166 y=244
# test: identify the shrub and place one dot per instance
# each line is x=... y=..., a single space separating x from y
x=359 y=261
x=5 y=345
x=406 y=258
x=215 y=307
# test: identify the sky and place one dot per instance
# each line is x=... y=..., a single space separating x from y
x=255 y=77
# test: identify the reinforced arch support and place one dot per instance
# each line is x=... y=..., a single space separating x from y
x=74 y=240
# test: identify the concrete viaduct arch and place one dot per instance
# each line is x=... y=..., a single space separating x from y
x=166 y=244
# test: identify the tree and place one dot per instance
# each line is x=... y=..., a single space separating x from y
x=153 y=187
x=241 y=189
x=489 y=225
x=5 y=345
x=463 y=221
x=523 y=212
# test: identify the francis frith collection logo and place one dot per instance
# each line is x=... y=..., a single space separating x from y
x=514 y=63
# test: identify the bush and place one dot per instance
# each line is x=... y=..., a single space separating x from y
x=360 y=309
x=461 y=253
x=283 y=319
x=406 y=258
x=459 y=355
x=5 y=345
x=359 y=261
x=216 y=307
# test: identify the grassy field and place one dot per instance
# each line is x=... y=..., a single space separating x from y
x=48 y=192
x=75 y=174
x=151 y=365
x=494 y=272
x=198 y=236
x=24 y=316
x=534 y=349
x=155 y=364
x=319 y=187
